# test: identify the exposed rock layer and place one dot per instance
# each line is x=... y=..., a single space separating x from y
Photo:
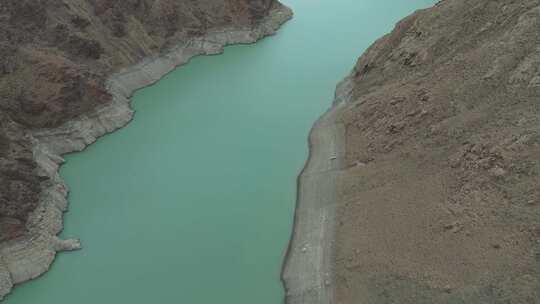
x=438 y=191
x=66 y=80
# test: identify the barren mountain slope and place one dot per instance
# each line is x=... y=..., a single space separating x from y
x=67 y=71
x=439 y=197
x=55 y=56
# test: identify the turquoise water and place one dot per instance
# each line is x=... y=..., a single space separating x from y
x=193 y=201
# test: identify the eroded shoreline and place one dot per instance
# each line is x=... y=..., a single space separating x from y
x=307 y=272
x=25 y=259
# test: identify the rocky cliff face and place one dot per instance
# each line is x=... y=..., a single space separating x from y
x=439 y=194
x=67 y=70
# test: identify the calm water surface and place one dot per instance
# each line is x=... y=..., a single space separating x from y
x=193 y=201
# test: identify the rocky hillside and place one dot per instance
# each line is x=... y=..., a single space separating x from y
x=439 y=197
x=55 y=56
x=67 y=71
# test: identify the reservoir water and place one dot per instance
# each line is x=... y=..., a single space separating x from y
x=193 y=201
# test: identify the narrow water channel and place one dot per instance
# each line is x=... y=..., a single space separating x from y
x=193 y=201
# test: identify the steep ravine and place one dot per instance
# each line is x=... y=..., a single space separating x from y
x=435 y=186
x=68 y=71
